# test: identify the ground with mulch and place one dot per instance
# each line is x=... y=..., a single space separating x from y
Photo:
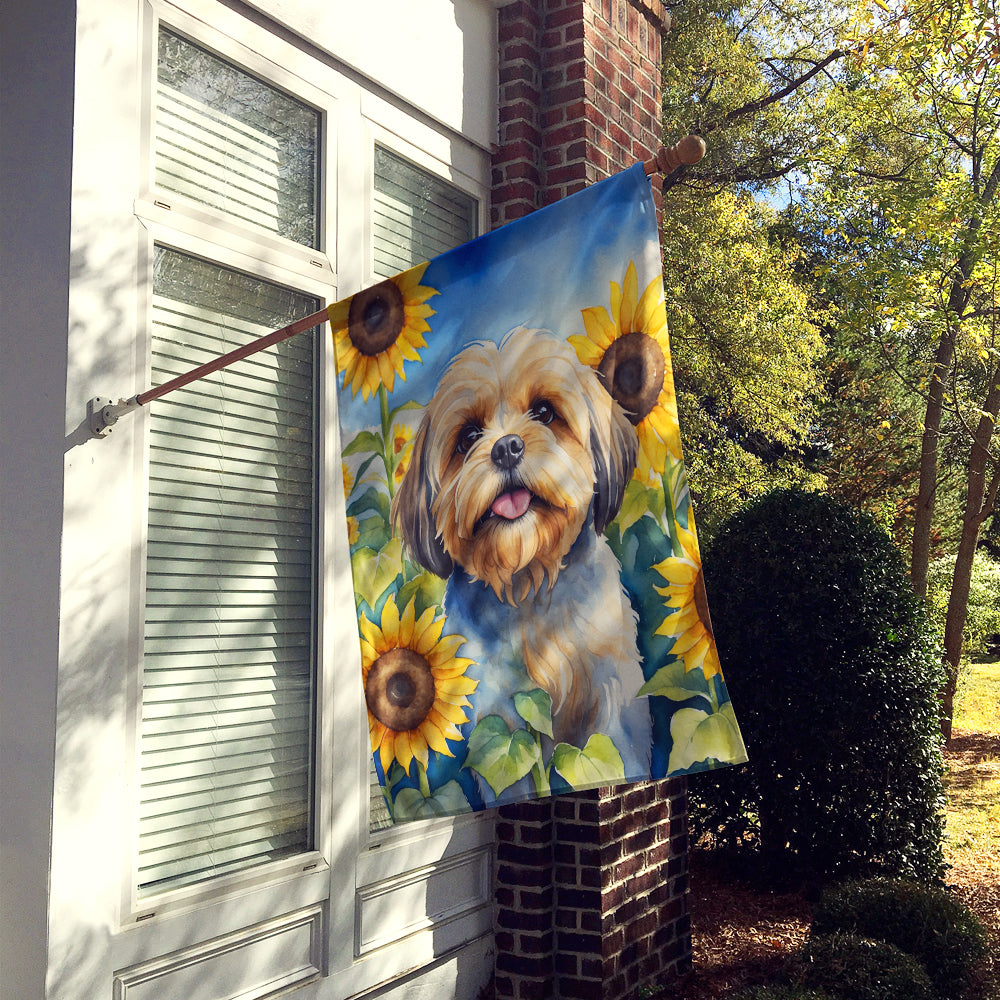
x=742 y=935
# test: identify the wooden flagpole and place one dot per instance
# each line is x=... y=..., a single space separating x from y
x=102 y=413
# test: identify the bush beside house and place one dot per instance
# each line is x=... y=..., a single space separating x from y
x=836 y=674
x=882 y=939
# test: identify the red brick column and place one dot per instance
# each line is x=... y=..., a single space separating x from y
x=579 y=96
x=591 y=889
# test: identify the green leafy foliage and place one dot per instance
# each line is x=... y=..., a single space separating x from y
x=983 y=610
x=835 y=673
x=924 y=921
x=448 y=800
x=746 y=353
x=782 y=992
x=856 y=968
x=500 y=756
x=598 y=761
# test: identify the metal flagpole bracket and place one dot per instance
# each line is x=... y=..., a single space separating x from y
x=103 y=413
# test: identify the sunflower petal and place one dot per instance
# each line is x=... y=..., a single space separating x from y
x=448 y=727
x=385 y=370
x=426 y=640
x=434 y=737
x=406 y=622
x=385 y=751
x=446 y=648
x=372 y=633
x=456 y=685
x=630 y=293
x=600 y=326
x=338 y=313
x=390 y=623
x=650 y=315
x=418 y=746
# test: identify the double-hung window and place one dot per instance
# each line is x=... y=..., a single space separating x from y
x=229 y=679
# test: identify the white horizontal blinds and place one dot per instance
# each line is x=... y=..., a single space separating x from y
x=416 y=216
x=226 y=139
x=228 y=657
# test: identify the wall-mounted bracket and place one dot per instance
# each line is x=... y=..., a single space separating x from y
x=103 y=413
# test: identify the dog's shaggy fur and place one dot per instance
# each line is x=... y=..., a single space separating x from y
x=520 y=462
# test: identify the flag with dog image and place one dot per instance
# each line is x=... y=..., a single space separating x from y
x=531 y=612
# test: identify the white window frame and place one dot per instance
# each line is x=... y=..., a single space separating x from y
x=180 y=224
x=351 y=873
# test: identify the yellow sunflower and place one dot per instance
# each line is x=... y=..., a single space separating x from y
x=690 y=625
x=377 y=329
x=630 y=349
x=402 y=450
x=415 y=685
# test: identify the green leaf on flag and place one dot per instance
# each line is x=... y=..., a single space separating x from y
x=675 y=683
x=371 y=501
x=427 y=588
x=699 y=737
x=598 y=762
x=535 y=707
x=634 y=505
x=448 y=800
x=375 y=571
x=373 y=533
x=500 y=756
x=410 y=404
x=363 y=441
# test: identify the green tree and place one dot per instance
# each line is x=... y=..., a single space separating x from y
x=748 y=358
x=912 y=186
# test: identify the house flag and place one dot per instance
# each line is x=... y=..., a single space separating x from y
x=531 y=610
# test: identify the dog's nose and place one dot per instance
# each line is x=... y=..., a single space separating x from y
x=508 y=451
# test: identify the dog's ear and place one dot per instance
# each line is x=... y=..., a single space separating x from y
x=411 y=510
x=614 y=446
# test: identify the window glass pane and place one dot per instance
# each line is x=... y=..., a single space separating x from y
x=228 y=658
x=228 y=140
x=416 y=217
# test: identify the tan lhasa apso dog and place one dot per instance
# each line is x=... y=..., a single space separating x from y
x=519 y=464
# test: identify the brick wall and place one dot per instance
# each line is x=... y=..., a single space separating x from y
x=579 y=96
x=591 y=893
x=591 y=889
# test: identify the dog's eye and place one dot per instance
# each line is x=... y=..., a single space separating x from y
x=543 y=411
x=467 y=437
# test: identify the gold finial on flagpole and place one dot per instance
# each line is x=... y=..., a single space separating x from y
x=668 y=158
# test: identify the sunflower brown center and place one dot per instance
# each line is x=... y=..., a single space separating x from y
x=701 y=603
x=399 y=689
x=375 y=318
x=633 y=368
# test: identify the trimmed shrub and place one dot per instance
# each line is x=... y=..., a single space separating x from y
x=834 y=675
x=925 y=922
x=857 y=968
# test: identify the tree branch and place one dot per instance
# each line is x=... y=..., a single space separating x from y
x=754 y=106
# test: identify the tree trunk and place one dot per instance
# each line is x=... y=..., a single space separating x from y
x=979 y=499
x=958 y=300
x=920 y=553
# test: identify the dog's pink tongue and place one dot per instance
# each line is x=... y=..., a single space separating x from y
x=511 y=505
